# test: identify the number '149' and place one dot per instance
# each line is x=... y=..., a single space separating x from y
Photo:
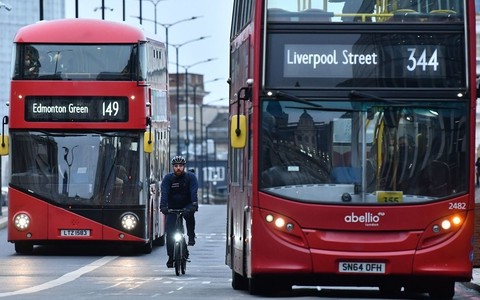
x=110 y=108
x=422 y=61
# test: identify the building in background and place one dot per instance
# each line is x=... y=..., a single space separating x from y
x=21 y=13
x=13 y=16
x=202 y=135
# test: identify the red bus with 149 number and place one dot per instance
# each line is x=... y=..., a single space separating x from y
x=88 y=135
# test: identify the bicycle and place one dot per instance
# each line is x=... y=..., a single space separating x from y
x=180 y=251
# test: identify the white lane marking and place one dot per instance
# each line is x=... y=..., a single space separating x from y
x=63 y=279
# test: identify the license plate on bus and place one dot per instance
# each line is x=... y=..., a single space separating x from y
x=75 y=232
x=361 y=267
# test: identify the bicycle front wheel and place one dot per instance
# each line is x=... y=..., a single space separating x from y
x=184 y=265
x=177 y=259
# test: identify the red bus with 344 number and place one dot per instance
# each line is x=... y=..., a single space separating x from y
x=88 y=134
x=352 y=145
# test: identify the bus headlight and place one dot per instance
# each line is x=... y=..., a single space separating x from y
x=21 y=221
x=280 y=222
x=129 y=221
x=443 y=229
x=284 y=227
x=446 y=224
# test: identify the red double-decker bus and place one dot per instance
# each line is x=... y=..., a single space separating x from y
x=352 y=145
x=88 y=134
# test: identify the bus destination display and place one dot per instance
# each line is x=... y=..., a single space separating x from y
x=359 y=60
x=76 y=109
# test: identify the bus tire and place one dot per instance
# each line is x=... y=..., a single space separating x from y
x=260 y=286
x=23 y=248
x=239 y=282
x=160 y=241
x=443 y=290
x=148 y=247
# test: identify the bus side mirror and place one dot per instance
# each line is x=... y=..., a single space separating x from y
x=148 y=142
x=238 y=131
x=4 y=141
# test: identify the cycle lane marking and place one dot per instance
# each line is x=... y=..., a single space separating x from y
x=71 y=276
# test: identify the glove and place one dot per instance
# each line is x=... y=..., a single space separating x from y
x=195 y=207
x=164 y=210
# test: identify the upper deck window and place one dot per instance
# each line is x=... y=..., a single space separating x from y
x=404 y=11
x=77 y=62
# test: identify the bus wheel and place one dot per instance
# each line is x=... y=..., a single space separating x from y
x=23 y=248
x=148 y=247
x=160 y=241
x=444 y=290
x=258 y=286
x=239 y=282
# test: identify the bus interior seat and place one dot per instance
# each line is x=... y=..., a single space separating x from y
x=405 y=16
x=443 y=15
x=346 y=175
x=342 y=159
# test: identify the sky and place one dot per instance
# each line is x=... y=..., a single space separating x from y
x=213 y=23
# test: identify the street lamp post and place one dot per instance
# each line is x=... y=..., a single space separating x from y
x=204 y=159
x=186 y=98
x=177 y=46
x=6 y=6
x=103 y=7
x=155 y=3
x=166 y=25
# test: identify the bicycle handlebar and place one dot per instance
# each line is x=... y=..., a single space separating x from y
x=176 y=211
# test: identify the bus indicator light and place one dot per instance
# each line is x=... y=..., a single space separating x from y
x=456 y=220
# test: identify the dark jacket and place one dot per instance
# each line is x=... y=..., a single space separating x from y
x=179 y=192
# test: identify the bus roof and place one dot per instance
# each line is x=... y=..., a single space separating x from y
x=79 y=31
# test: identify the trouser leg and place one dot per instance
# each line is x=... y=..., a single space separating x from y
x=190 y=222
x=170 y=228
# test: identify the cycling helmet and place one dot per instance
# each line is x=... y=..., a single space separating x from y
x=178 y=160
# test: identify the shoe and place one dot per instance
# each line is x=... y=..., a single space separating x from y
x=170 y=262
x=191 y=240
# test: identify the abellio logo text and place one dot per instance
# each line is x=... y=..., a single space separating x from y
x=368 y=218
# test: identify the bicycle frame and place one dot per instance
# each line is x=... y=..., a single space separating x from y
x=180 y=252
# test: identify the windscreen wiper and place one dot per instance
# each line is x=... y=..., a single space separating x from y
x=357 y=94
x=278 y=94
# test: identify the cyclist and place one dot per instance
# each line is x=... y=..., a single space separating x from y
x=179 y=191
